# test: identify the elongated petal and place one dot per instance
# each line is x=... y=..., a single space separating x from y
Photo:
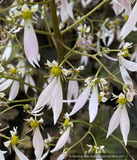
x=26 y=86
x=124 y=124
x=31 y=81
x=30 y=44
x=118 y=8
x=61 y=157
x=7 y=51
x=131 y=66
x=127 y=6
x=125 y=76
x=69 y=11
x=45 y=155
x=1 y=155
x=72 y=90
x=38 y=143
x=19 y=153
x=114 y=121
x=93 y=104
x=14 y=90
x=81 y=101
x=63 y=14
x=130 y=24
x=62 y=140
x=5 y=84
x=56 y=101
x=45 y=95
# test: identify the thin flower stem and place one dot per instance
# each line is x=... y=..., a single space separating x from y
x=84 y=17
x=19 y=101
x=93 y=138
x=70 y=64
x=21 y=81
x=119 y=142
x=98 y=71
x=88 y=132
x=11 y=108
x=21 y=3
x=2 y=135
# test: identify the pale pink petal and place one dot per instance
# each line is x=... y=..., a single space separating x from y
x=98 y=156
x=125 y=75
x=1 y=155
x=61 y=157
x=26 y=86
x=124 y=124
x=131 y=66
x=130 y=24
x=31 y=81
x=45 y=95
x=72 y=90
x=30 y=44
x=81 y=101
x=127 y=6
x=64 y=3
x=45 y=155
x=93 y=104
x=14 y=90
x=56 y=101
x=62 y=140
x=7 y=51
x=38 y=143
x=19 y=153
x=118 y=8
x=69 y=11
x=6 y=84
x=114 y=121
x=63 y=14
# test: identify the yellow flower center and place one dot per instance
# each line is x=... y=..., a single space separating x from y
x=56 y=71
x=27 y=15
x=66 y=123
x=34 y=124
x=126 y=17
x=13 y=70
x=14 y=140
x=122 y=100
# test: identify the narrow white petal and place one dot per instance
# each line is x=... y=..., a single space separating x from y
x=19 y=153
x=61 y=157
x=14 y=90
x=1 y=155
x=56 y=101
x=45 y=155
x=63 y=14
x=131 y=66
x=31 y=81
x=124 y=124
x=45 y=95
x=5 y=84
x=93 y=104
x=125 y=75
x=38 y=143
x=30 y=44
x=114 y=121
x=130 y=24
x=81 y=101
x=69 y=11
x=7 y=51
x=62 y=140
x=26 y=86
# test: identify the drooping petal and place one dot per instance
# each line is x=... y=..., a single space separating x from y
x=14 y=90
x=19 y=153
x=45 y=95
x=118 y=8
x=81 y=101
x=30 y=44
x=7 y=51
x=124 y=124
x=5 y=84
x=114 y=121
x=69 y=11
x=56 y=101
x=45 y=155
x=31 y=81
x=125 y=75
x=62 y=140
x=131 y=66
x=72 y=90
x=63 y=14
x=1 y=155
x=38 y=143
x=26 y=86
x=130 y=24
x=127 y=6
x=93 y=104
x=61 y=157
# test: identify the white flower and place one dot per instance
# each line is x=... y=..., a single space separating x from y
x=120 y=116
x=2 y=154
